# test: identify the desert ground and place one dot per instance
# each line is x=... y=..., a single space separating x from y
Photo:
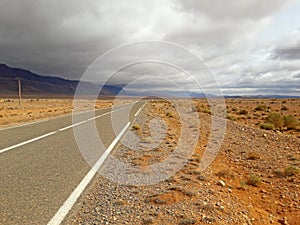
x=254 y=178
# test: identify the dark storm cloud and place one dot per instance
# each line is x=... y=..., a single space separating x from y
x=64 y=37
x=54 y=37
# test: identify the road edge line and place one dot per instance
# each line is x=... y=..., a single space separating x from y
x=62 y=212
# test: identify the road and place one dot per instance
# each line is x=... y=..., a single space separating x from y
x=41 y=165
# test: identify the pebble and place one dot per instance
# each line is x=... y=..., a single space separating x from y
x=221 y=183
x=283 y=221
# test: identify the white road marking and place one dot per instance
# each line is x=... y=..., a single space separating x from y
x=54 y=117
x=71 y=200
x=26 y=142
x=96 y=117
x=61 y=129
x=137 y=112
x=73 y=125
x=45 y=135
x=45 y=120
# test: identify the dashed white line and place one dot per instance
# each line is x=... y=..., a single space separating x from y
x=61 y=129
x=96 y=117
x=71 y=200
x=26 y=142
x=137 y=112
x=55 y=117
x=46 y=135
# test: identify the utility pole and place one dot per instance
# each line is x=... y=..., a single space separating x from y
x=19 y=83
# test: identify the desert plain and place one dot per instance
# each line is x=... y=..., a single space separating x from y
x=254 y=178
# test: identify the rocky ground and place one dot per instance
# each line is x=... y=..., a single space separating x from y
x=254 y=178
x=254 y=112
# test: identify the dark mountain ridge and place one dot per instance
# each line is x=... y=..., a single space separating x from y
x=37 y=85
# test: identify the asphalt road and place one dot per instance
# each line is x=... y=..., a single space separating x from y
x=38 y=176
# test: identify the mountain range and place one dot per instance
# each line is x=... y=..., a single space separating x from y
x=33 y=84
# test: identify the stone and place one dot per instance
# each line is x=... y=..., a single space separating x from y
x=221 y=183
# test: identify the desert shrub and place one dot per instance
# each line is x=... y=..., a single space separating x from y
x=290 y=122
x=136 y=127
x=284 y=101
x=287 y=172
x=198 y=108
x=243 y=185
x=278 y=173
x=232 y=117
x=284 y=108
x=254 y=180
x=234 y=109
x=297 y=128
x=187 y=221
x=225 y=174
x=243 y=112
x=260 y=108
x=275 y=119
x=256 y=115
x=169 y=114
x=253 y=156
x=290 y=171
x=202 y=108
x=207 y=111
x=267 y=126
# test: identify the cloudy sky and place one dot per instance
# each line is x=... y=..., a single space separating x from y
x=250 y=46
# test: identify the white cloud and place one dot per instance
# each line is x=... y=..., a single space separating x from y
x=289 y=47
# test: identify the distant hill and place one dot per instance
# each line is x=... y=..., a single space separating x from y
x=38 y=85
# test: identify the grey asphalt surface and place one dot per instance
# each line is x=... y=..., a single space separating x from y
x=36 y=178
